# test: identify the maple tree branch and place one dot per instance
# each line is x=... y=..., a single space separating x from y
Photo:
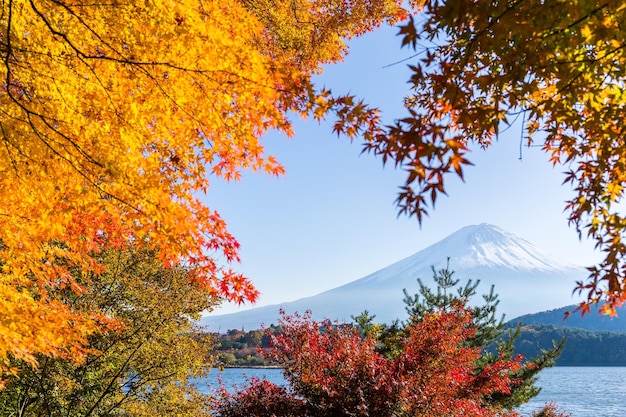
x=577 y=21
x=88 y=27
x=28 y=111
x=30 y=114
x=6 y=142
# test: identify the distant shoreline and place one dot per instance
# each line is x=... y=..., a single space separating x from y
x=252 y=367
x=590 y=365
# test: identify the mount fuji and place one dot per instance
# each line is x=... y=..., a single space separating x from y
x=526 y=280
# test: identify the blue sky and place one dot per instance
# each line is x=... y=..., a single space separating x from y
x=331 y=219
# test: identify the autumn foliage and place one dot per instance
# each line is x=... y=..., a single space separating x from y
x=445 y=360
x=333 y=370
x=145 y=367
x=559 y=68
x=113 y=118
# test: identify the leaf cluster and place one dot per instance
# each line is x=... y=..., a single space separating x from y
x=560 y=66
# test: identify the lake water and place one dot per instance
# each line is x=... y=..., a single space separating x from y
x=237 y=377
x=581 y=391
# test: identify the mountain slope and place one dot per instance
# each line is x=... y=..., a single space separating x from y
x=582 y=347
x=526 y=279
x=592 y=322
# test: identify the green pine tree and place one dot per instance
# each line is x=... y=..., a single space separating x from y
x=491 y=335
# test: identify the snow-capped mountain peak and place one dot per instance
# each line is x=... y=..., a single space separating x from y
x=527 y=280
x=473 y=248
x=486 y=245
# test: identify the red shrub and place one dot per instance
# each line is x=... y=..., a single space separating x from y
x=334 y=371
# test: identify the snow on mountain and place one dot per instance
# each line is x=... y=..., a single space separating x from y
x=484 y=246
x=526 y=279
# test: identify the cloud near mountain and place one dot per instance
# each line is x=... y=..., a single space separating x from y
x=526 y=279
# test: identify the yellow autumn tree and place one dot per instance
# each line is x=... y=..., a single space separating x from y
x=113 y=118
x=557 y=65
x=145 y=368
